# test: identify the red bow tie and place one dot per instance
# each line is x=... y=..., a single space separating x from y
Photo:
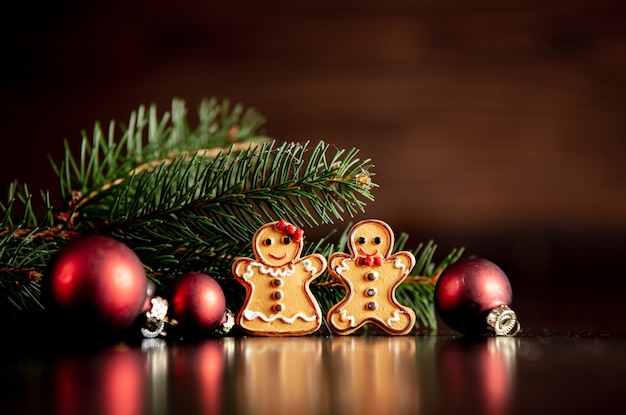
x=369 y=260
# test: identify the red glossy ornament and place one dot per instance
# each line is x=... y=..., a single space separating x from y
x=97 y=280
x=197 y=302
x=472 y=296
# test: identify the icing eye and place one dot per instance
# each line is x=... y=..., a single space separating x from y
x=286 y=240
x=378 y=240
x=268 y=241
x=362 y=240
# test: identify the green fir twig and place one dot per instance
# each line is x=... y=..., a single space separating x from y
x=189 y=199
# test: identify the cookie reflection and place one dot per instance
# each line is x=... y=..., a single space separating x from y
x=280 y=376
x=327 y=376
x=377 y=375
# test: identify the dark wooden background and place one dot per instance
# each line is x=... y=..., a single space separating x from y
x=498 y=126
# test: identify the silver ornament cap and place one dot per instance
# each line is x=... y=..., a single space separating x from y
x=503 y=321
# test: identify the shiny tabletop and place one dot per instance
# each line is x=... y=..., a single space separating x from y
x=434 y=374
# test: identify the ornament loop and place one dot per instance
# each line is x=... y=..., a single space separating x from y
x=503 y=321
x=156 y=318
x=228 y=322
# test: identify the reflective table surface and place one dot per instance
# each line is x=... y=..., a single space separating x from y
x=435 y=374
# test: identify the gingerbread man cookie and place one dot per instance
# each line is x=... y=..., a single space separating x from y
x=278 y=300
x=371 y=275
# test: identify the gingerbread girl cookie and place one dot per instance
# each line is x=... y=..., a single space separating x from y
x=371 y=275
x=278 y=300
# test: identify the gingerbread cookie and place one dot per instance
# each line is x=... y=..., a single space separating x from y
x=278 y=300
x=371 y=275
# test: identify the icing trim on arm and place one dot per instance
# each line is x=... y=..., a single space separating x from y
x=399 y=264
x=339 y=269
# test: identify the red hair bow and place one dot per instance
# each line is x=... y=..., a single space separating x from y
x=295 y=233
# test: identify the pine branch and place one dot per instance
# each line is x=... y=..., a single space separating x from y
x=183 y=198
x=194 y=214
x=190 y=199
x=22 y=254
x=106 y=159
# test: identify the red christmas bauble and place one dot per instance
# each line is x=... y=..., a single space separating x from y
x=197 y=302
x=97 y=280
x=467 y=291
